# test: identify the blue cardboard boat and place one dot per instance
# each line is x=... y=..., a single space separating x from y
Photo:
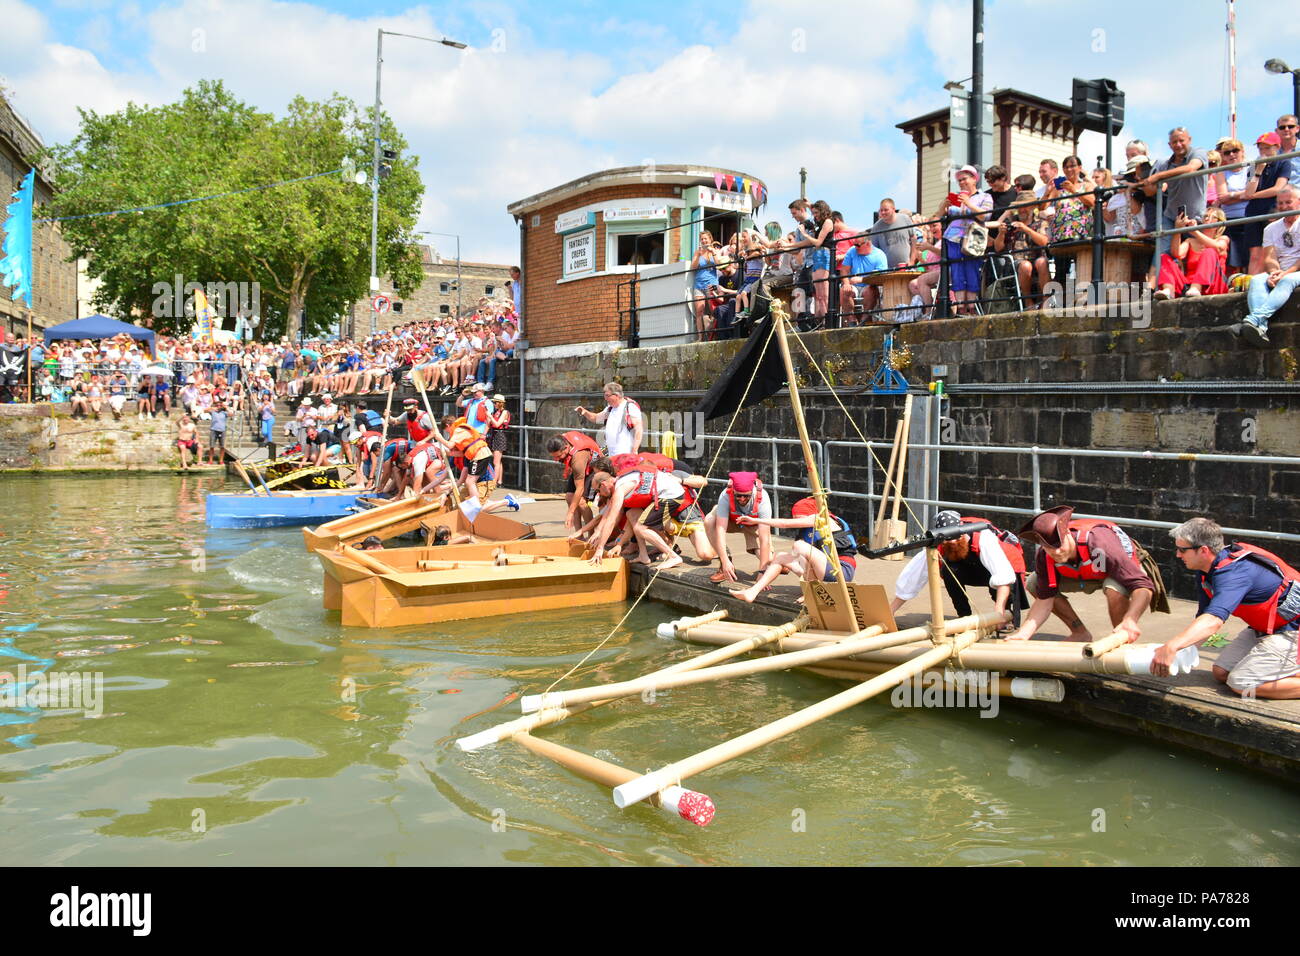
x=244 y=509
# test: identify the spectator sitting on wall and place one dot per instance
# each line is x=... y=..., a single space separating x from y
x=930 y=248
x=1198 y=262
x=1027 y=232
x=893 y=235
x=862 y=259
x=1270 y=289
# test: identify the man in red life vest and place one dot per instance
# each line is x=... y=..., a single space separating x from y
x=743 y=496
x=1256 y=586
x=631 y=493
x=1084 y=554
x=992 y=559
x=575 y=451
x=464 y=442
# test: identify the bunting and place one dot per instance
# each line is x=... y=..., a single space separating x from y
x=16 y=267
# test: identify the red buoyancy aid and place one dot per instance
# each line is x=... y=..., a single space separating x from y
x=1263 y=617
x=645 y=492
x=1009 y=542
x=1086 y=569
x=414 y=430
x=755 y=503
x=579 y=441
x=629 y=461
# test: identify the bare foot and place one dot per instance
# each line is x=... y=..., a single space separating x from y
x=645 y=561
x=1080 y=634
x=746 y=595
x=672 y=562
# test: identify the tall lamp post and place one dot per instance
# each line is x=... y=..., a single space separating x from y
x=374 y=171
x=451 y=235
x=1279 y=66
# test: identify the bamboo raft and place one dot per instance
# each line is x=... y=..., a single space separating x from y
x=845 y=632
x=389 y=520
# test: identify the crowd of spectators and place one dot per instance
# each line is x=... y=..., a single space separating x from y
x=1006 y=240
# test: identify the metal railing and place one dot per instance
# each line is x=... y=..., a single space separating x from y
x=876 y=453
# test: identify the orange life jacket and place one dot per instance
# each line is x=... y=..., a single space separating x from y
x=624 y=463
x=470 y=444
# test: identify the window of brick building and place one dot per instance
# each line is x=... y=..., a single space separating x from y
x=444 y=310
x=489 y=289
x=444 y=287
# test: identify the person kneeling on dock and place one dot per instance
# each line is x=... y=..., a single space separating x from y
x=992 y=559
x=1088 y=554
x=743 y=497
x=1258 y=587
x=463 y=441
x=632 y=493
x=810 y=558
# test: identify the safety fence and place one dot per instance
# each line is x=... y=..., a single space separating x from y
x=777 y=456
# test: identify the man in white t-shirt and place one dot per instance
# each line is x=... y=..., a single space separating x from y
x=622 y=420
x=1271 y=289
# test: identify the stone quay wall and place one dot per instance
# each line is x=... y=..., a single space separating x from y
x=46 y=437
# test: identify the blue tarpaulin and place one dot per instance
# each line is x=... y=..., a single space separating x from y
x=98 y=327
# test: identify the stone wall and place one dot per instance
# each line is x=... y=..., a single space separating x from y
x=1049 y=379
x=47 y=437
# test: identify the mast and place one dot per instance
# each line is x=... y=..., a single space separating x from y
x=1232 y=69
x=814 y=480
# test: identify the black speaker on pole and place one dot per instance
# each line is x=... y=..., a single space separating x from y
x=1094 y=102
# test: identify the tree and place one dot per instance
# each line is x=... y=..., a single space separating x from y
x=305 y=244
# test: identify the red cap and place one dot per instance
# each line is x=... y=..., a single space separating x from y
x=1272 y=139
x=804 y=506
x=743 y=481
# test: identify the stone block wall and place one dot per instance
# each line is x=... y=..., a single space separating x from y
x=46 y=437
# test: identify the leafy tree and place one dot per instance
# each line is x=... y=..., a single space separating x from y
x=305 y=244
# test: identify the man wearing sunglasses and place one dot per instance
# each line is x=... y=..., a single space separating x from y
x=1286 y=133
x=1269 y=290
x=1254 y=585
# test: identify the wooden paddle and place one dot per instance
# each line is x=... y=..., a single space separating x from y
x=896 y=530
x=879 y=533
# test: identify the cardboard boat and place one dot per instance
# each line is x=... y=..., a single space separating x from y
x=404 y=586
x=244 y=509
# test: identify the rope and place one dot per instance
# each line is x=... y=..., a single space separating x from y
x=646 y=590
x=870 y=450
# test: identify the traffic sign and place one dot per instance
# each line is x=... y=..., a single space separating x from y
x=381 y=304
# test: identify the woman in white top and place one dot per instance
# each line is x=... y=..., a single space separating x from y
x=1231 y=188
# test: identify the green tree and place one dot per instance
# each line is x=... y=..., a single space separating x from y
x=305 y=244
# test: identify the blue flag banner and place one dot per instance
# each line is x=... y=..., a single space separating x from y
x=16 y=266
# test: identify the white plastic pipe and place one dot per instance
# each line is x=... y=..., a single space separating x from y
x=1137 y=660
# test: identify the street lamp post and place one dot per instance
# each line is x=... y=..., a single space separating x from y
x=374 y=169
x=1279 y=66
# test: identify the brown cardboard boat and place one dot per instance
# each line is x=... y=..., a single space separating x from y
x=426 y=585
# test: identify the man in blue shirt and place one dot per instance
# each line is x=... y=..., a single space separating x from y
x=858 y=261
x=1249 y=583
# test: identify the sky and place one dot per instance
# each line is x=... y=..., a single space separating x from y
x=547 y=93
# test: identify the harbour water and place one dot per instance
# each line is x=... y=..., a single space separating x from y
x=239 y=724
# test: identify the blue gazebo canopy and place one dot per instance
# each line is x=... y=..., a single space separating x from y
x=98 y=327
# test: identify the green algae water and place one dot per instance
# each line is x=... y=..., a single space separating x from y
x=241 y=724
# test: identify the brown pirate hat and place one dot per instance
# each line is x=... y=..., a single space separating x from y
x=1049 y=527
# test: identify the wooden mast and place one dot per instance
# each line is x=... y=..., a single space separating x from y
x=814 y=480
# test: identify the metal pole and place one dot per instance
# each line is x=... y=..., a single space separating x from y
x=1295 y=92
x=458 y=280
x=374 y=191
x=803 y=183
x=975 y=145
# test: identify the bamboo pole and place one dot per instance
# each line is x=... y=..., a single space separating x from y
x=686 y=624
x=544 y=718
x=935 y=587
x=991 y=656
x=814 y=480
x=653 y=683
x=1021 y=688
x=239 y=467
x=1104 y=645
x=634 y=791
x=879 y=532
x=687 y=804
x=902 y=461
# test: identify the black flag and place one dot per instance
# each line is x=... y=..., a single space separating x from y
x=13 y=366
x=759 y=359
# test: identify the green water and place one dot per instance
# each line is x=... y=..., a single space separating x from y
x=229 y=732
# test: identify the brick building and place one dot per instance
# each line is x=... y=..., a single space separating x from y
x=1026 y=130
x=583 y=240
x=54 y=278
x=436 y=297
